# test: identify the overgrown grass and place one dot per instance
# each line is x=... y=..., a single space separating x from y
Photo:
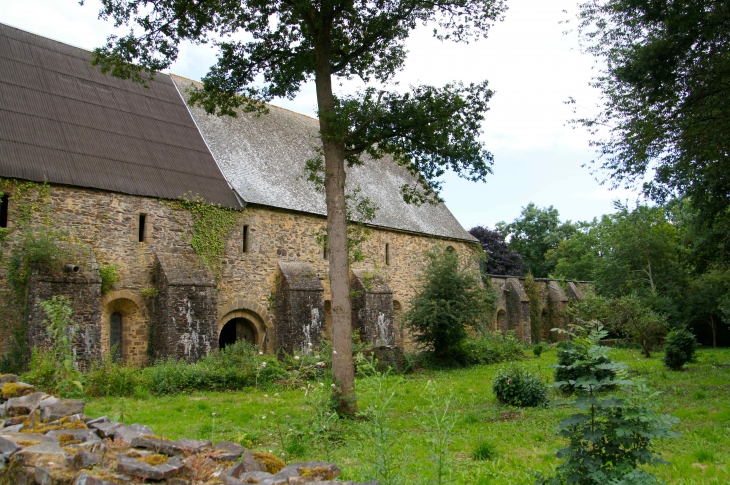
x=522 y=438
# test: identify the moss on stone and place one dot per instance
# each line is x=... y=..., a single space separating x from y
x=319 y=472
x=66 y=439
x=154 y=460
x=16 y=389
x=272 y=464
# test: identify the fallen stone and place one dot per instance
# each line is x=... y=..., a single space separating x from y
x=44 y=452
x=106 y=429
x=27 y=439
x=128 y=433
x=247 y=464
x=52 y=475
x=249 y=477
x=183 y=446
x=139 y=469
x=14 y=421
x=86 y=479
x=51 y=411
x=84 y=459
x=16 y=389
x=316 y=470
x=91 y=422
x=14 y=429
x=22 y=406
x=8 y=378
x=8 y=447
x=82 y=435
x=227 y=451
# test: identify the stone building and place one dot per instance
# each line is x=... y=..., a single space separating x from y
x=94 y=170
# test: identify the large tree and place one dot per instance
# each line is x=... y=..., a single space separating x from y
x=290 y=42
x=665 y=82
x=501 y=260
x=535 y=232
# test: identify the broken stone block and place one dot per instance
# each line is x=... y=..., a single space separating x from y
x=27 y=439
x=8 y=378
x=16 y=389
x=314 y=470
x=58 y=409
x=86 y=479
x=17 y=428
x=22 y=406
x=140 y=469
x=227 y=451
x=106 y=429
x=82 y=435
x=128 y=433
x=45 y=452
x=8 y=447
x=52 y=475
x=91 y=422
x=14 y=421
x=84 y=459
x=255 y=477
x=178 y=447
x=247 y=464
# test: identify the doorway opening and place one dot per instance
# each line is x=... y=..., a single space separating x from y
x=235 y=330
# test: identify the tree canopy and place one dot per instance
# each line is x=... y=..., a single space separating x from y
x=665 y=83
x=500 y=259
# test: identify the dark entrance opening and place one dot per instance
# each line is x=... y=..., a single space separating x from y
x=237 y=329
x=115 y=336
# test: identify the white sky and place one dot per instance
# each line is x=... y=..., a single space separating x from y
x=530 y=64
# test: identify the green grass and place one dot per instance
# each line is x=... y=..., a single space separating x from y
x=522 y=440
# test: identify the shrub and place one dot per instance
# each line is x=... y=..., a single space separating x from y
x=517 y=387
x=582 y=358
x=490 y=348
x=110 y=378
x=109 y=274
x=679 y=348
x=537 y=350
x=42 y=373
x=450 y=300
x=485 y=450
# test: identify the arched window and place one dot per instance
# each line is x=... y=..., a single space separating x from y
x=115 y=336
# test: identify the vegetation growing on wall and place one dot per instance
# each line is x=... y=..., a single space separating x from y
x=109 y=277
x=536 y=295
x=211 y=226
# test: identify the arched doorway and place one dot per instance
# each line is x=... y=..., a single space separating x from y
x=237 y=329
x=502 y=324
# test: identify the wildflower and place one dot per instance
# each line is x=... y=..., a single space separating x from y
x=266 y=396
x=509 y=380
x=333 y=385
x=334 y=352
x=261 y=353
x=215 y=414
x=321 y=384
x=263 y=364
x=296 y=357
x=276 y=394
x=263 y=417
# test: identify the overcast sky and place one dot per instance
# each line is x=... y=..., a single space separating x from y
x=530 y=64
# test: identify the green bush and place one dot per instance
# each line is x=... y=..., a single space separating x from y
x=234 y=367
x=537 y=350
x=450 y=300
x=113 y=379
x=679 y=348
x=109 y=274
x=490 y=348
x=42 y=373
x=517 y=387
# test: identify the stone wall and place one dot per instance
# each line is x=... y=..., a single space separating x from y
x=372 y=308
x=515 y=310
x=299 y=308
x=108 y=223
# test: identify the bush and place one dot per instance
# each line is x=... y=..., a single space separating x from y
x=450 y=300
x=109 y=274
x=112 y=379
x=517 y=387
x=537 y=350
x=42 y=373
x=679 y=348
x=491 y=348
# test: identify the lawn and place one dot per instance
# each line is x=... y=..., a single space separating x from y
x=456 y=408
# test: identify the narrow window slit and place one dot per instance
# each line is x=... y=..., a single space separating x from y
x=142 y=221
x=4 y=211
x=244 y=242
x=387 y=254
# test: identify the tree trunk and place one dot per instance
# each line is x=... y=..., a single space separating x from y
x=339 y=271
x=714 y=331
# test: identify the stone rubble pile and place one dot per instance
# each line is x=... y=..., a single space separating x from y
x=49 y=441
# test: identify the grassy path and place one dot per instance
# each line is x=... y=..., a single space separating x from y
x=699 y=396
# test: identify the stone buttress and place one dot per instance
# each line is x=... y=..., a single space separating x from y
x=299 y=308
x=372 y=308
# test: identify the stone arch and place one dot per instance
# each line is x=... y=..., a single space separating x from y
x=254 y=313
x=502 y=320
x=135 y=326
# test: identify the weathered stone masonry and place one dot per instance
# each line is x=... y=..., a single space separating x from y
x=190 y=307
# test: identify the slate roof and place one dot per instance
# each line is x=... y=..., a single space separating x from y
x=263 y=160
x=65 y=122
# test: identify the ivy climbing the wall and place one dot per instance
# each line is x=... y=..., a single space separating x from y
x=535 y=295
x=211 y=226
